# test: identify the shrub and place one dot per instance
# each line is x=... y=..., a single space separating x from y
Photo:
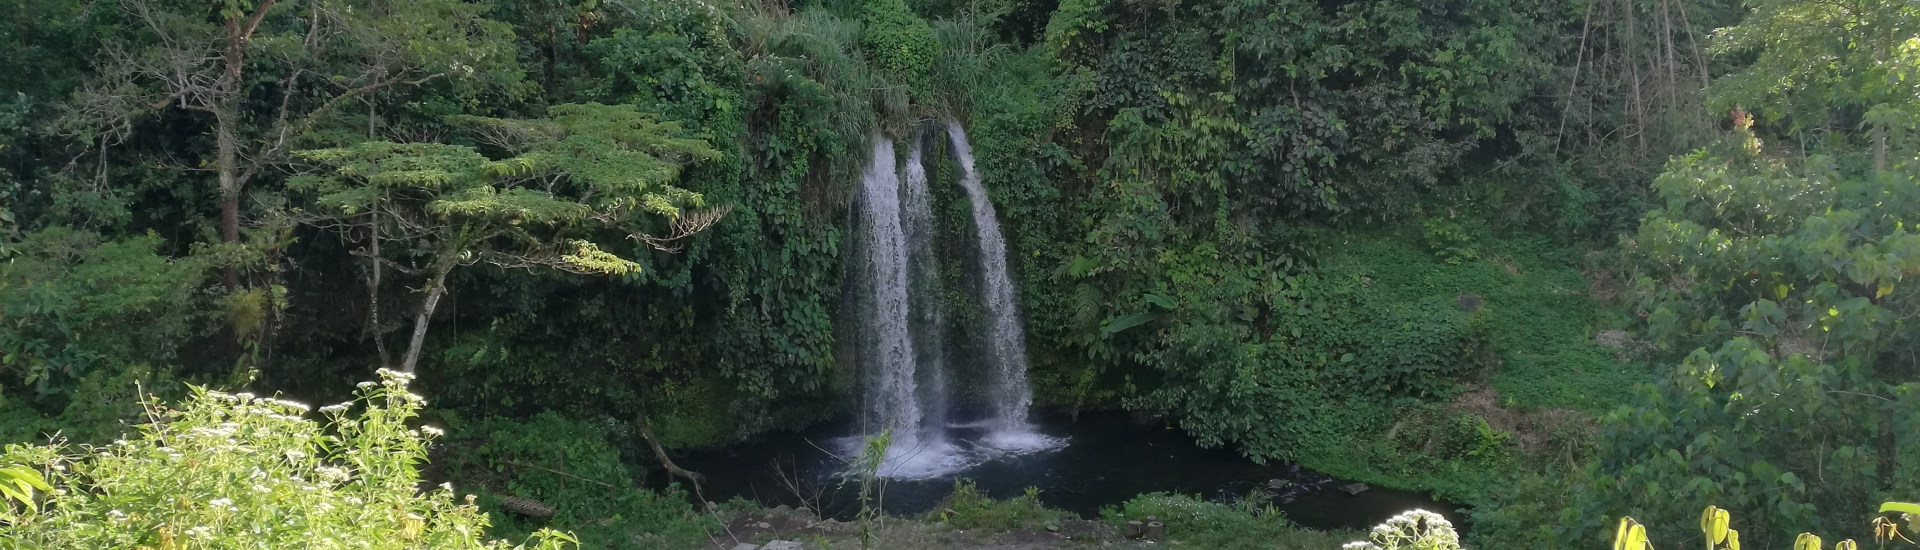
x=1195 y=523
x=238 y=471
x=967 y=507
x=898 y=41
x=571 y=465
x=1411 y=530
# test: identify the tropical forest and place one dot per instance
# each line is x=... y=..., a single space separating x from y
x=959 y=274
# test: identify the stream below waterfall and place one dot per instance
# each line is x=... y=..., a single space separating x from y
x=1108 y=458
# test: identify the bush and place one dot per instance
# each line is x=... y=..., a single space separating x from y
x=1411 y=530
x=1194 y=523
x=72 y=304
x=571 y=465
x=238 y=471
x=898 y=41
x=967 y=507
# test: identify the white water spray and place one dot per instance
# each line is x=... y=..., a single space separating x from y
x=1008 y=391
x=887 y=346
x=898 y=308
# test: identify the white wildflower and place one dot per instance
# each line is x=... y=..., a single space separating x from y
x=222 y=502
x=432 y=431
x=331 y=474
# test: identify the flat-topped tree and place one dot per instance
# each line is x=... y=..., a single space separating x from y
x=586 y=169
x=267 y=73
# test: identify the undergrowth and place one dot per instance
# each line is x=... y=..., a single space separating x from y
x=1531 y=327
x=967 y=507
x=1194 y=523
x=1531 y=303
x=570 y=465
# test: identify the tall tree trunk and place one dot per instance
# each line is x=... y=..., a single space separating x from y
x=436 y=287
x=226 y=132
x=373 y=296
x=227 y=160
x=1879 y=148
x=1884 y=469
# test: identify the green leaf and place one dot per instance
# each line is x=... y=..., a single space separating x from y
x=1161 y=301
x=1123 y=323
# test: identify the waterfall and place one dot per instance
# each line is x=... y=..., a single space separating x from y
x=1008 y=392
x=897 y=307
x=927 y=319
x=886 y=346
x=887 y=317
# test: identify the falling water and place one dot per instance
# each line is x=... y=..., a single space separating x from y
x=893 y=399
x=886 y=346
x=1008 y=390
x=927 y=320
x=897 y=307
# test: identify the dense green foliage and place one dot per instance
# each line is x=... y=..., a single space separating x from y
x=1510 y=252
x=1200 y=524
x=572 y=466
x=238 y=471
x=967 y=507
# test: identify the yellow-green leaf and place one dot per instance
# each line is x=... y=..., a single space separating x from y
x=1630 y=535
x=1806 y=541
x=1904 y=507
x=1713 y=523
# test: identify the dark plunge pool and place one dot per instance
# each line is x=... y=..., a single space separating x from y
x=1108 y=458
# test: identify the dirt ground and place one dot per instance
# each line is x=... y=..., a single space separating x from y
x=782 y=523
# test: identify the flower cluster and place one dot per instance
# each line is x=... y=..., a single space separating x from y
x=1411 y=530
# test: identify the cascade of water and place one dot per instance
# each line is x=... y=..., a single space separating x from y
x=1008 y=390
x=897 y=308
x=927 y=319
x=893 y=382
x=886 y=347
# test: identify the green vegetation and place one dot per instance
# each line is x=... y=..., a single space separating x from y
x=573 y=467
x=1200 y=524
x=1563 y=262
x=967 y=507
x=239 y=471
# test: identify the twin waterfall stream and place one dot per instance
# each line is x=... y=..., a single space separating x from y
x=898 y=308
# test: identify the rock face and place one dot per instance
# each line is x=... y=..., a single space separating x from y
x=1354 y=488
x=782 y=545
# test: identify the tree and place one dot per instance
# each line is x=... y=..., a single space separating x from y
x=586 y=167
x=306 y=61
x=1828 y=67
x=1797 y=403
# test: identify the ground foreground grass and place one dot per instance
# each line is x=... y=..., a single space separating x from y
x=1017 y=525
